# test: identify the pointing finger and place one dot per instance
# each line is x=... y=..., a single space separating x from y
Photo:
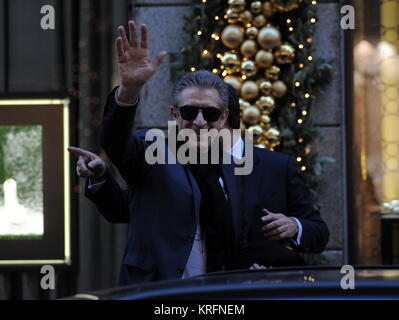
x=80 y=152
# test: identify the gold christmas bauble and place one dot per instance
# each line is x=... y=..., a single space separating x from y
x=264 y=59
x=256 y=130
x=279 y=89
x=272 y=73
x=234 y=81
x=249 y=90
x=269 y=37
x=259 y=81
x=248 y=48
x=246 y=17
x=266 y=87
x=257 y=133
x=265 y=121
x=285 y=54
x=232 y=36
x=232 y=16
x=259 y=21
x=251 y=115
x=267 y=9
x=244 y=104
x=273 y=135
x=266 y=104
x=231 y=63
x=237 y=5
x=248 y=68
x=285 y=5
x=256 y=7
x=251 y=32
x=262 y=145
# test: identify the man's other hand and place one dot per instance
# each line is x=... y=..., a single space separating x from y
x=278 y=226
x=89 y=165
x=134 y=62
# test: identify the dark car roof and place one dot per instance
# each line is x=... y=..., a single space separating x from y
x=371 y=282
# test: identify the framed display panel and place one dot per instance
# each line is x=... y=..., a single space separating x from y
x=35 y=222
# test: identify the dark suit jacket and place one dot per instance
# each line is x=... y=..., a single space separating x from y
x=164 y=207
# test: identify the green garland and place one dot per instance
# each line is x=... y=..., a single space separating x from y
x=201 y=32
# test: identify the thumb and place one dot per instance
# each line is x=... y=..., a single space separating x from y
x=159 y=58
x=266 y=212
x=95 y=163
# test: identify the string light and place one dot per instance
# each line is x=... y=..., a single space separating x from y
x=244 y=77
x=301 y=65
x=203 y=1
x=293 y=104
x=199 y=32
x=304 y=112
x=224 y=73
x=314 y=2
x=307 y=95
x=313 y=20
x=301 y=46
x=288 y=21
x=219 y=56
x=192 y=69
x=300 y=140
x=205 y=52
x=310 y=58
x=297 y=84
x=215 y=70
x=215 y=36
x=300 y=121
x=291 y=29
x=299 y=159
x=217 y=18
x=309 y=40
x=303 y=168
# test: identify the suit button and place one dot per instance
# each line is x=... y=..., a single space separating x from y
x=179 y=271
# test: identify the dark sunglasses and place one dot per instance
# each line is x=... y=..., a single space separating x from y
x=189 y=113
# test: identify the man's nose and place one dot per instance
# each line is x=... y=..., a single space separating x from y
x=199 y=121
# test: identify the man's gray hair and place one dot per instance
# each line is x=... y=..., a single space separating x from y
x=205 y=80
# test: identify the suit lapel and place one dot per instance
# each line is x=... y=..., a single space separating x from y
x=233 y=188
x=196 y=194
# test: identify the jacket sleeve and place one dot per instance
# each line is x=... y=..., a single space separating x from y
x=125 y=150
x=110 y=199
x=315 y=233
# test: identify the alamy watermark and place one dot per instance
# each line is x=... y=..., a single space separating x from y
x=48 y=280
x=48 y=20
x=348 y=20
x=348 y=280
x=199 y=147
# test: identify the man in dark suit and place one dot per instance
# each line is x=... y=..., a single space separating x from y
x=170 y=226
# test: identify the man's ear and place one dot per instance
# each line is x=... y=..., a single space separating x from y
x=173 y=112
x=226 y=114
